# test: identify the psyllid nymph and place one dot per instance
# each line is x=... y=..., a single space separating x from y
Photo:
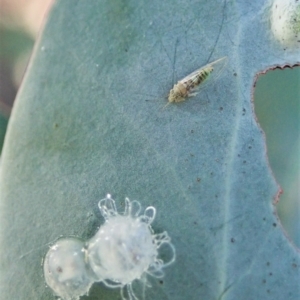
x=187 y=86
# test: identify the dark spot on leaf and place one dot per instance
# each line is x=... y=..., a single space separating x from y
x=161 y=282
x=270 y=273
x=232 y=240
x=264 y=281
x=221 y=108
x=195 y=223
x=192 y=131
x=274 y=224
x=59 y=269
x=250 y=147
x=264 y=219
x=268 y=263
x=198 y=179
x=244 y=161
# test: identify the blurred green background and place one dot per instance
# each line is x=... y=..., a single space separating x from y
x=277 y=108
x=276 y=101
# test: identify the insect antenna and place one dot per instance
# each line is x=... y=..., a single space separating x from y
x=164 y=107
x=174 y=61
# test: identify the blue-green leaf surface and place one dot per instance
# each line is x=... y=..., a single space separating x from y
x=89 y=120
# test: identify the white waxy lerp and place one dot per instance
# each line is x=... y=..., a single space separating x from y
x=66 y=270
x=125 y=248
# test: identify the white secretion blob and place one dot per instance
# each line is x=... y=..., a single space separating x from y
x=125 y=248
x=285 y=22
x=66 y=269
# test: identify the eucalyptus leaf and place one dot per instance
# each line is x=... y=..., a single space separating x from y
x=89 y=120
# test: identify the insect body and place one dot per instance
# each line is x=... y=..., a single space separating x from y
x=187 y=86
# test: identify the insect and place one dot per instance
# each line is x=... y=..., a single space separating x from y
x=123 y=250
x=187 y=86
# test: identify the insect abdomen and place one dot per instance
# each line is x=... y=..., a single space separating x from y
x=199 y=79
